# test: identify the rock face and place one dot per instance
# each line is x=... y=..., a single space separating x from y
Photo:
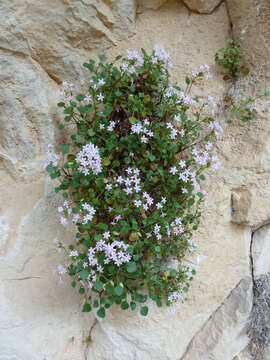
x=261 y=251
x=43 y=43
x=214 y=340
x=202 y=6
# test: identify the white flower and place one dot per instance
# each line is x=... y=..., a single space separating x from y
x=157 y=229
x=61 y=269
x=159 y=205
x=87 y=98
x=101 y=126
x=101 y=82
x=137 y=203
x=63 y=220
x=99 y=269
x=124 y=65
x=76 y=218
x=52 y=158
x=182 y=164
x=175 y=297
x=161 y=54
x=173 y=134
x=100 y=97
x=209 y=146
x=106 y=235
x=133 y=55
x=111 y=126
x=136 y=128
x=90 y=213
x=109 y=187
x=73 y=253
x=145 y=207
x=182 y=132
x=120 y=180
x=128 y=191
x=173 y=170
x=89 y=159
x=144 y=139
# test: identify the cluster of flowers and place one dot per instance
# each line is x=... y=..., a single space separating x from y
x=175 y=132
x=204 y=70
x=115 y=252
x=146 y=202
x=125 y=182
x=89 y=159
x=65 y=94
x=90 y=212
x=130 y=183
x=142 y=128
x=186 y=176
x=64 y=211
x=51 y=158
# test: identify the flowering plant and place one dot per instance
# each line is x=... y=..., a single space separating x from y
x=130 y=179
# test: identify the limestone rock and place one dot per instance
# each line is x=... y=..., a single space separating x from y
x=251 y=25
x=45 y=42
x=261 y=250
x=27 y=104
x=241 y=200
x=60 y=34
x=225 y=331
x=149 y=4
x=202 y=6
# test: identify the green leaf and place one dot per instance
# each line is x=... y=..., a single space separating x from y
x=131 y=267
x=98 y=285
x=132 y=305
x=119 y=290
x=132 y=120
x=144 y=310
x=84 y=274
x=86 y=307
x=124 y=305
x=60 y=126
x=102 y=57
x=267 y=93
x=106 y=161
x=80 y=97
x=101 y=312
x=102 y=226
x=81 y=290
x=65 y=149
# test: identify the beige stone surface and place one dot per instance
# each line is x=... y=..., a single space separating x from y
x=261 y=251
x=202 y=6
x=45 y=42
x=149 y=4
x=224 y=334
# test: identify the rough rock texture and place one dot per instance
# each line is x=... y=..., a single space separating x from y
x=261 y=251
x=229 y=321
x=203 y=6
x=45 y=42
x=149 y=4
